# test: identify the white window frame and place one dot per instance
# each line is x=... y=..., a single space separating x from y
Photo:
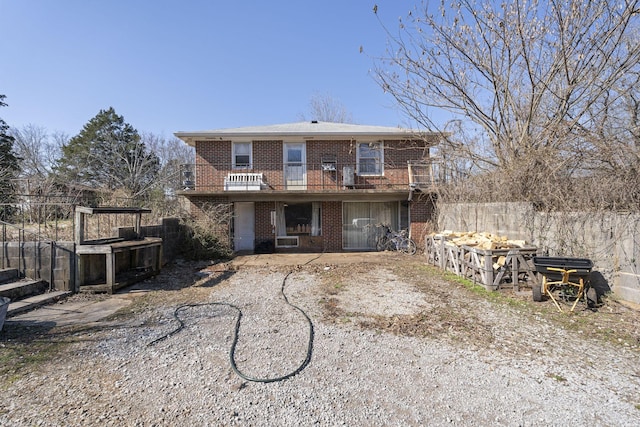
x=234 y=155
x=297 y=180
x=359 y=158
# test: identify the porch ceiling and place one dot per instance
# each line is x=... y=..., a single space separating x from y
x=265 y=196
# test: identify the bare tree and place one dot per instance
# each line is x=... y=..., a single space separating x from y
x=173 y=154
x=534 y=76
x=326 y=108
x=37 y=150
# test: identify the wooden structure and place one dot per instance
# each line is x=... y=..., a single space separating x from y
x=106 y=265
x=491 y=268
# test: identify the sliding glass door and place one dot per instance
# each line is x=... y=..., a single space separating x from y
x=359 y=220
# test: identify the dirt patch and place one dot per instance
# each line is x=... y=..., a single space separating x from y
x=378 y=292
x=404 y=296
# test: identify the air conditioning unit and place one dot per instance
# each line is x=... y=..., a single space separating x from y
x=348 y=176
x=287 y=242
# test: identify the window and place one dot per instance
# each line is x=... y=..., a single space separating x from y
x=370 y=158
x=295 y=168
x=295 y=219
x=241 y=155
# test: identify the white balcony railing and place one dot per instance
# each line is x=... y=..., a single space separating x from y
x=244 y=182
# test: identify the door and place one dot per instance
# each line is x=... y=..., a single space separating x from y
x=295 y=166
x=244 y=232
x=359 y=220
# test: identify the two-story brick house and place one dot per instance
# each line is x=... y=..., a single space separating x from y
x=312 y=186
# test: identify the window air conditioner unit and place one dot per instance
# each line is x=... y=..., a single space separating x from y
x=348 y=176
x=287 y=242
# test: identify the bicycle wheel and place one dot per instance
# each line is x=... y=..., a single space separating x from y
x=408 y=246
x=381 y=244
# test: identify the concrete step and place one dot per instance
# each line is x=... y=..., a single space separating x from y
x=8 y=274
x=30 y=303
x=22 y=288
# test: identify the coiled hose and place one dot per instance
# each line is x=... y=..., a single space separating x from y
x=236 y=333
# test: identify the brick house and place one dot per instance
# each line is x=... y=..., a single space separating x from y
x=312 y=186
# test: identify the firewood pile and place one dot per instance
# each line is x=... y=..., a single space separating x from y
x=483 y=240
x=481 y=256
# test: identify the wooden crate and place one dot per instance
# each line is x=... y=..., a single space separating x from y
x=481 y=265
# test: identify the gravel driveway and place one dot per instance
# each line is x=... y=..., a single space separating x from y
x=393 y=344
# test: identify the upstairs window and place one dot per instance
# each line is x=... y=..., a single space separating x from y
x=242 y=155
x=370 y=158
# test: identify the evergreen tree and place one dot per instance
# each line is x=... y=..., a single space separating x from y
x=108 y=154
x=8 y=166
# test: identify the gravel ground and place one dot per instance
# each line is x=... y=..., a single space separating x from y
x=390 y=347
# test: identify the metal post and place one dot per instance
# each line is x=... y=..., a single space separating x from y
x=21 y=252
x=5 y=249
x=51 y=266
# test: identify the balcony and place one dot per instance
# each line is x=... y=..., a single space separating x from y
x=325 y=176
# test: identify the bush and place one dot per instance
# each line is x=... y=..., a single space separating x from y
x=201 y=244
x=206 y=236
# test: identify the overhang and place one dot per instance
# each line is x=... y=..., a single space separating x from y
x=308 y=131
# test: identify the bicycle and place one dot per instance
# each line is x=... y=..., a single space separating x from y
x=390 y=240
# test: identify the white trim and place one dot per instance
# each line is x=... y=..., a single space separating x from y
x=360 y=173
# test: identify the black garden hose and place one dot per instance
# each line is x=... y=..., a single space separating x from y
x=236 y=334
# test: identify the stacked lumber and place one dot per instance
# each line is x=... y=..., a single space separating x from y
x=483 y=240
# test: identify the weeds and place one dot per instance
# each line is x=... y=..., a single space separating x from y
x=23 y=350
x=557 y=377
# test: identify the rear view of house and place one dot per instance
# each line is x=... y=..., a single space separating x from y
x=312 y=186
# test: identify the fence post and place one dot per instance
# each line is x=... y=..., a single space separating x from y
x=51 y=266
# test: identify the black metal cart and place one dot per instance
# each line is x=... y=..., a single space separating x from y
x=564 y=279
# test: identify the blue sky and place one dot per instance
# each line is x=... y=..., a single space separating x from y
x=169 y=65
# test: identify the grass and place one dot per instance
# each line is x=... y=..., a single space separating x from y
x=557 y=377
x=474 y=288
x=24 y=349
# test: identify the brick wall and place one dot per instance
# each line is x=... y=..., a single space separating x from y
x=268 y=159
x=264 y=229
x=213 y=162
x=211 y=153
x=332 y=226
x=422 y=214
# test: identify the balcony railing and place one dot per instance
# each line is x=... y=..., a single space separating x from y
x=331 y=176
